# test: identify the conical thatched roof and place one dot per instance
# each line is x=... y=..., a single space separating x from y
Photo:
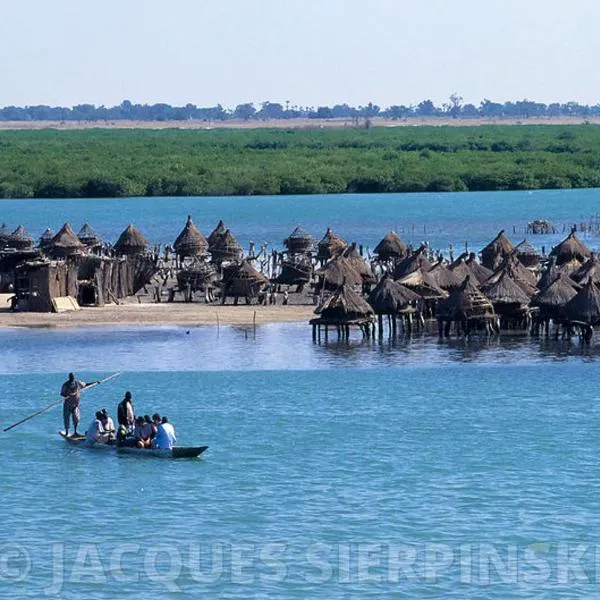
x=226 y=248
x=338 y=270
x=390 y=247
x=88 y=236
x=359 y=265
x=505 y=291
x=569 y=267
x=527 y=254
x=590 y=269
x=331 y=245
x=20 y=239
x=131 y=241
x=216 y=234
x=571 y=247
x=557 y=294
x=480 y=272
x=4 y=232
x=190 y=242
x=344 y=304
x=423 y=284
x=389 y=297
x=413 y=262
x=443 y=276
x=465 y=301
x=518 y=272
x=299 y=241
x=65 y=241
x=242 y=280
x=46 y=237
x=494 y=252
x=550 y=273
x=461 y=269
x=515 y=274
x=585 y=306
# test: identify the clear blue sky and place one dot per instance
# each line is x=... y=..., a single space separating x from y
x=310 y=52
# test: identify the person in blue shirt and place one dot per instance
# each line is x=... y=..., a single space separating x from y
x=165 y=435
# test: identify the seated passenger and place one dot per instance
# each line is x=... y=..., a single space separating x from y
x=108 y=424
x=125 y=438
x=95 y=433
x=142 y=433
x=165 y=435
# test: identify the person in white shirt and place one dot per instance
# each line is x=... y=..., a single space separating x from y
x=108 y=424
x=165 y=435
x=95 y=433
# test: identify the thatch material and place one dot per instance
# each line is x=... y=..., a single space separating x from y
x=242 y=280
x=299 y=241
x=481 y=273
x=518 y=272
x=413 y=262
x=585 y=306
x=570 y=248
x=557 y=294
x=89 y=237
x=216 y=234
x=295 y=272
x=65 y=242
x=226 y=248
x=344 y=305
x=505 y=291
x=527 y=254
x=493 y=254
x=389 y=297
x=391 y=247
x=196 y=276
x=423 y=284
x=330 y=246
x=336 y=271
x=46 y=238
x=190 y=242
x=549 y=274
x=19 y=239
x=465 y=302
x=359 y=265
x=443 y=276
x=588 y=270
x=131 y=241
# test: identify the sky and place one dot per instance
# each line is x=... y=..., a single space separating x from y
x=308 y=52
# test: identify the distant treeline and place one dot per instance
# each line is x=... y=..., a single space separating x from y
x=173 y=162
x=454 y=108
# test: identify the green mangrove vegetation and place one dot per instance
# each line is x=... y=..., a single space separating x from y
x=112 y=162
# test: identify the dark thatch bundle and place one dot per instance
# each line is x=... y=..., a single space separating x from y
x=557 y=294
x=89 y=237
x=131 y=241
x=299 y=241
x=461 y=269
x=465 y=302
x=493 y=254
x=330 y=246
x=46 y=238
x=480 y=272
x=391 y=247
x=336 y=271
x=344 y=304
x=65 y=242
x=570 y=248
x=443 y=276
x=216 y=234
x=359 y=265
x=226 y=248
x=590 y=269
x=423 y=284
x=197 y=276
x=20 y=239
x=190 y=242
x=585 y=306
x=413 y=262
x=389 y=297
x=242 y=280
x=518 y=272
x=527 y=255
x=295 y=272
x=505 y=291
x=549 y=274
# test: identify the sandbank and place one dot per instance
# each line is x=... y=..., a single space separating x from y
x=182 y=314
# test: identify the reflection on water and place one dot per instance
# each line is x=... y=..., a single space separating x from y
x=286 y=346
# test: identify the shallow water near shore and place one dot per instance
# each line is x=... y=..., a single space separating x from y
x=340 y=470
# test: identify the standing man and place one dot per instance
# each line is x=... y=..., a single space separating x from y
x=125 y=412
x=70 y=391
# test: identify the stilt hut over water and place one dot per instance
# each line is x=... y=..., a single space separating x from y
x=337 y=271
x=552 y=301
x=65 y=243
x=468 y=308
x=131 y=242
x=20 y=239
x=413 y=262
x=423 y=284
x=330 y=246
x=359 y=264
x=398 y=303
x=495 y=252
x=299 y=241
x=510 y=302
x=583 y=310
x=481 y=273
x=242 y=281
x=390 y=248
x=443 y=276
x=342 y=310
x=89 y=238
x=46 y=238
x=190 y=242
x=570 y=248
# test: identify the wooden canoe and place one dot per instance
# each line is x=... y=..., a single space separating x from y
x=175 y=452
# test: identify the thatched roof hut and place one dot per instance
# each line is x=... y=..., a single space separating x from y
x=345 y=304
x=443 y=276
x=423 y=284
x=504 y=292
x=190 y=242
x=590 y=269
x=225 y=248
x=20 y=239
x=556 y=295
x=65 y=242
x=242 y=280
x=196 y=276
x=337 y=271
x=413 y=262
x=570 y=248
x=481 y=273
x=131 y=241
x=299 y=241
x=585 y=306
x=465 y=302
x=216 y=234
x=89 y=237
x=388 y=297
x=493 y=254
x=391 y=247
x=518 y=271
x=295 y=272
x=330 y=246
x=46 y=238
x=359 y=264
x=527 y=254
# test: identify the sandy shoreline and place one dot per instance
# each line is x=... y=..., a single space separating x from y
x=190 y=315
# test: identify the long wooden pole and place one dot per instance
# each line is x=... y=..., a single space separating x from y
x=53 y=404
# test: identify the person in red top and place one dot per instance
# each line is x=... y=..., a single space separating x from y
x=70 y=391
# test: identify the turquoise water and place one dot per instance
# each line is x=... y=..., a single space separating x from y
x=433 y=470
x=455 y=218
